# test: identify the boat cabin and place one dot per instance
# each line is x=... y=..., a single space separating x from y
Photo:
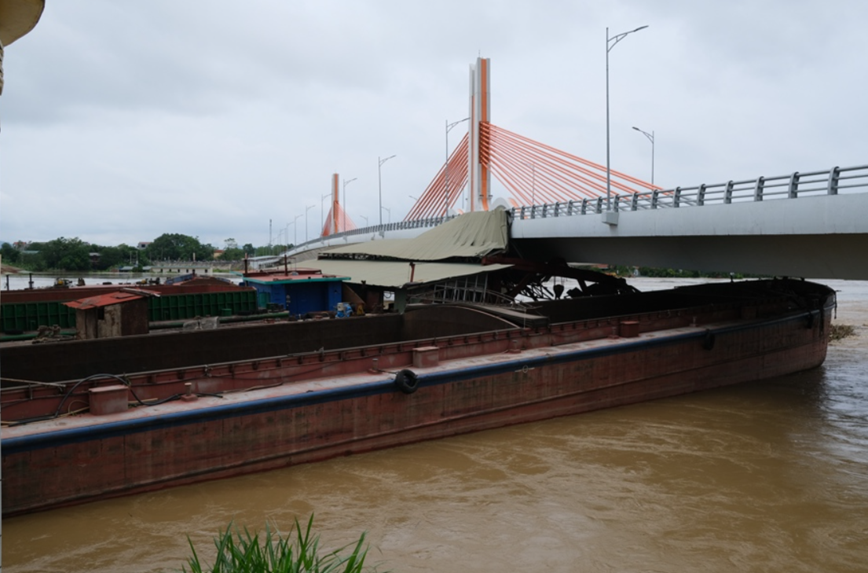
x=109 y=315
x=299 y=291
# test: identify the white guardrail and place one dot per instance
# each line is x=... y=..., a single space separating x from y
x=792 y=186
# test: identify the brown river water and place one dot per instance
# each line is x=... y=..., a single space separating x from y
x=759 y=477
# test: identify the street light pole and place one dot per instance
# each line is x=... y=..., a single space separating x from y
x=611 y=43
x=380 y=182
x=294 y=232
x=650 y=137
x=365 y=218
x=346 y=182
x=322 y=211
x=306 y=209
x=532 y=182
x=449 y=127
x=389 y=212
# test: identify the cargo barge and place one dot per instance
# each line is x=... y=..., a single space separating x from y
x=94 y=419
x=178 y=298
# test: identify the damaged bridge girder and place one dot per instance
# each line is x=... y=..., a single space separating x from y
x=602 y=282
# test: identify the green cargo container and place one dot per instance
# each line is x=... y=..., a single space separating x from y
x=185 y=306
x=32 y=315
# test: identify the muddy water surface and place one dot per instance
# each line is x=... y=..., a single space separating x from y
x=762 y=477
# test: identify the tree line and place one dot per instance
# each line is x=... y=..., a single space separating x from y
x=73 y=254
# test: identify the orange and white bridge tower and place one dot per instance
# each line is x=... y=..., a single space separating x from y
x=337 y=220
x=480 y=113
x=529 y=172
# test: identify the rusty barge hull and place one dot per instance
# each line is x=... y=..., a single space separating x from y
x=316 y=405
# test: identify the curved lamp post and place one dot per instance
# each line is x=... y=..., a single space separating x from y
x=532 y=166
x=611 y=42
x=294 y=231
x=380 y=182
x=449 y=127
x=650 y=137
x=346 y=182
x=322 y=211
x=306 y=209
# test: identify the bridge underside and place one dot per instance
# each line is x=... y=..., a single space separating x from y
x=816 y=237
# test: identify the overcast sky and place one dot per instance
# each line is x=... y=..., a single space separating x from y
x=125 y=120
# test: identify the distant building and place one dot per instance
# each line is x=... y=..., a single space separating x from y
x=256 y=263
x=143 y=245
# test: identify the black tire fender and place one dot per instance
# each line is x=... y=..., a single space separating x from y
x=406 y=381
x=708 y=341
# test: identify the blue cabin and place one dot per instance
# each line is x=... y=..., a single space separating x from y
x=300 y=291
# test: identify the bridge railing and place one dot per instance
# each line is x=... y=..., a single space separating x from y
x=374 y=229
x=791 y=186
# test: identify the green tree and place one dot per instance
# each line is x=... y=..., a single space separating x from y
x=112 y=257
x=231 y=251
x=249 y=249
x=66 y=254
x=175 y=246
x=232 y=255
x=10 y=253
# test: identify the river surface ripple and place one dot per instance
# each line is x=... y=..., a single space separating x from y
x=757 y=477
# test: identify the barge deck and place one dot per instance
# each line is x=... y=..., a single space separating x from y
x=433 y=372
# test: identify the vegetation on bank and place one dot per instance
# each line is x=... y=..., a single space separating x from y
x=840 y=331
x=245 y=552
x=73 y=254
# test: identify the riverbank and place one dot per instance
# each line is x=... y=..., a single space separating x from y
x=10 y=270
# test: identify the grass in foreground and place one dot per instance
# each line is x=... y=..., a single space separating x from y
x=840 y=331
x=239 y=552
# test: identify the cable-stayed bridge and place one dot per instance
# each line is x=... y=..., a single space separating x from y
x=807 y=224
x=812 y=225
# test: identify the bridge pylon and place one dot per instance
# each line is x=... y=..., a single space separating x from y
x=480 y=111
x=337 y=220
